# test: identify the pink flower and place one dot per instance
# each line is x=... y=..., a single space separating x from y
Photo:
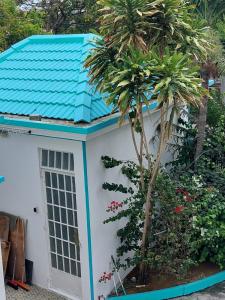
x=105 y=277
x=114 y=205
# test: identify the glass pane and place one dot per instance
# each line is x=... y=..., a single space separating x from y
x=47 y=179
x=56 y=212
x=78 y=270
x=62 y=199
x=71 y=162
x=58 y=160
x=65 y=161
x=78 y=252
x=67 y=265
x=58 y=230
x=64 y=232
x=63 y=216
x=68 y=183
x=53 y=258
x=76 y=236
x=54 y=181
x=72 y=234
x=44 y=161
x=51 y=159
x=61 y=181
x=60 y=262
x=49 y=195
x=75 y=218
x=66 y=249
x=74 y=201
x=51 y=228
x=55 y=197
x=59 y=246
x=70 y=217
x=50 y=212
x=73 y=184
x=73 y=267
x=52 y=244
x=69 y=200
x=72 y=251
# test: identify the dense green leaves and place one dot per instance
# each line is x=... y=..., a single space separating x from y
x=16 y=25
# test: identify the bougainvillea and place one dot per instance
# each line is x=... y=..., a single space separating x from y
x=105 y=277
x=179 y=209
x=188 y=207
x=114 y=206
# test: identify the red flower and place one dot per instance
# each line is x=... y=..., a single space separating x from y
x=179 y=209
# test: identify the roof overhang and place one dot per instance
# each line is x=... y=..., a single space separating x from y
x=79 y=132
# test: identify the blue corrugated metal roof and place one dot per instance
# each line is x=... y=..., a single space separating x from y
x=44 y=75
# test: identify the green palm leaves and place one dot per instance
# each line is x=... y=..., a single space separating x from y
x=210 y=10
x=143 y=23
x=148 y=54
x=137 y=78
x=177 y=80
x=127 y=22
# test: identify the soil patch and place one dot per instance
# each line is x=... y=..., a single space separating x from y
x=159 y=281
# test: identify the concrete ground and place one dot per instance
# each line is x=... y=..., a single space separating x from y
x=216 y=292
x=35 y=293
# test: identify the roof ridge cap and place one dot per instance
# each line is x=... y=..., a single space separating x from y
x=85 y=106
x=13 y=48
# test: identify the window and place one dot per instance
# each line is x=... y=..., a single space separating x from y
x=59 y=181
x=57 y=160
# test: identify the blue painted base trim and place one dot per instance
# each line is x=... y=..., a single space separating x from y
x=88 y=220
x=177 y=291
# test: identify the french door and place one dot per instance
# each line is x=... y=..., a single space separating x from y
x=63 y=235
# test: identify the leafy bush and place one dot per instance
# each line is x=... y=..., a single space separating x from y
x=216 y=108
x=209 y=227
x=188 y=225
x=188 y=204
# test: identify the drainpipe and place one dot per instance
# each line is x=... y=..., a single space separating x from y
x=2 y=282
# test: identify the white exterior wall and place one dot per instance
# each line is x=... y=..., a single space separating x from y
x=23 y=190
x=117 y=144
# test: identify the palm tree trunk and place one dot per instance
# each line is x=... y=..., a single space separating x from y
x=201 y=122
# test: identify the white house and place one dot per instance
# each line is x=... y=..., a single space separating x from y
x=54 y=128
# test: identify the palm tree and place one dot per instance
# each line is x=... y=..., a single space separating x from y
x=211 y=11
x=131 y=63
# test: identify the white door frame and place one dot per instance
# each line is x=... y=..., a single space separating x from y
x=64 y=276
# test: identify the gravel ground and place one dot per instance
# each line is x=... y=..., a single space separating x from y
x=214 y=293
x=35 y=293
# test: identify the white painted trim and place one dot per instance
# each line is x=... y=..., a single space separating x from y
x=2 y=284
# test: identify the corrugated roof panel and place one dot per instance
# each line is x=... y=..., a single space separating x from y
x=47 y=56
x=38 y=75
x=41 y=65
x=45 y=75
